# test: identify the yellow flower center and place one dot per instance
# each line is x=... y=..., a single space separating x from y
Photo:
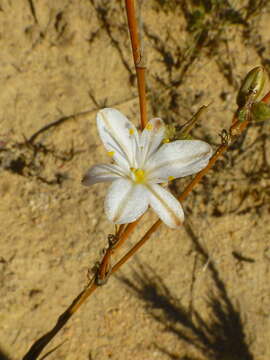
x=140 y=176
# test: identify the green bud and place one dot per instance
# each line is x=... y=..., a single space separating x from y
x=252 y=86
x=184 y=133
x=170 y=133
x=184 y=137
x=260 y=111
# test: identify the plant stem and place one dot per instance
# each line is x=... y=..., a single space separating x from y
x=138 y=58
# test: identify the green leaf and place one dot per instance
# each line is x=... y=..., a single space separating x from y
x=260 y=111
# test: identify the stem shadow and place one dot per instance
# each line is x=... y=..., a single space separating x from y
x=3 y=355
x=219 y=337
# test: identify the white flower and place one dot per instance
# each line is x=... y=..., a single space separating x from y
x=142 y=161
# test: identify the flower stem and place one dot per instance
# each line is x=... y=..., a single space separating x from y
x=138 y=57
x=266 y=98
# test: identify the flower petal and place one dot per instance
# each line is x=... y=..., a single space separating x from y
x=125 y=201
x=178 y=159
x=151 y=138
x=119 y=136
x=166 y=206
x=102 y=173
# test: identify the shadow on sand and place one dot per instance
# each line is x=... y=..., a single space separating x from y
x=220 y=337
x=3 y=356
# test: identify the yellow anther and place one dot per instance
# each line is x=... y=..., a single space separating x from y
x=170 y=178
x=111 y=153
x=166 y=141
x=149 y=127
x=139 y=176
x=131 y=131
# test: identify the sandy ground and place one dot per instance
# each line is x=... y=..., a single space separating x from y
x=201 y=292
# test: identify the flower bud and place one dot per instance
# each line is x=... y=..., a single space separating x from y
x=170 y=133
x=252 y=86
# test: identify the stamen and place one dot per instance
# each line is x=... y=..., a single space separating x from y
x=139 y=176
x=149 y=127
x=166 y=141
x=111 y=153
x=170 y=178
x=131 y=131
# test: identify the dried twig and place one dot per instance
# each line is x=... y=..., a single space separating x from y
x=138 y=57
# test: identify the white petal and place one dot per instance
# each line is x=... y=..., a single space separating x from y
x=125 y=201
x=166 y=206
x=151 y=138
x=178 y=159
x=119 y=136
x=102 y=173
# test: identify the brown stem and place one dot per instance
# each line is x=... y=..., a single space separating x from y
x=121 y=236
x=138 y=58
x=266 y=98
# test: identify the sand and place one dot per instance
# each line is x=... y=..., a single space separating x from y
x=200 y=292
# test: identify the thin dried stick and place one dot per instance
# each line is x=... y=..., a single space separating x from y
x=266 y=98
x=138 y=57
x=121 y=236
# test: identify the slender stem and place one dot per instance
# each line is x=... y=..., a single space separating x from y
x=44 y=340
x=137 y=246
x=266 y=98
x=122 y=235
x=138 y=58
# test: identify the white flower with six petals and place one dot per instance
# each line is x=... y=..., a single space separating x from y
x=142 y=162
